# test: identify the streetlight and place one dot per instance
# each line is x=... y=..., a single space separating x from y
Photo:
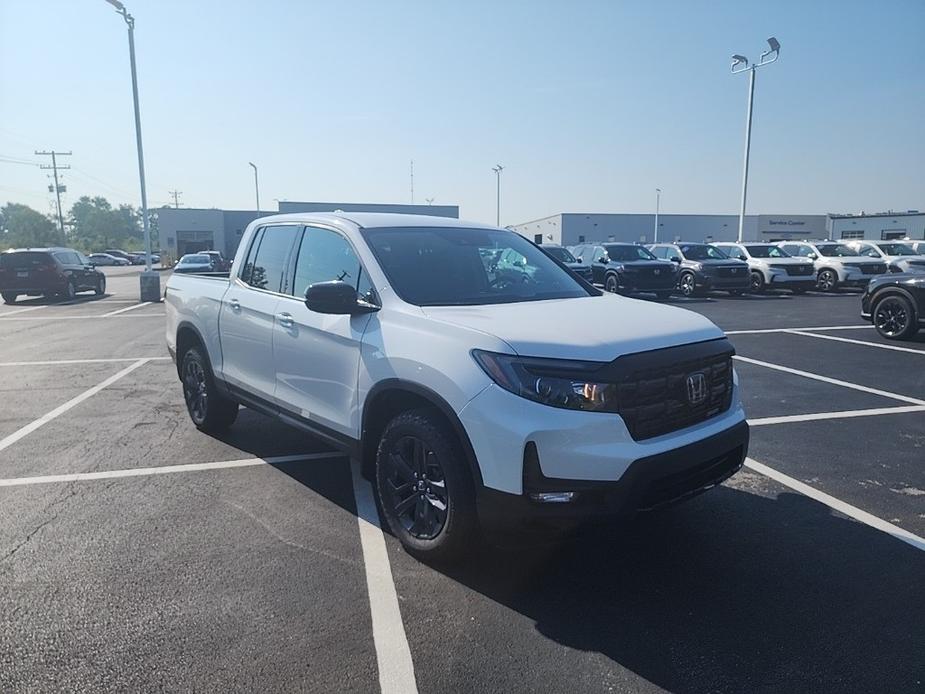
x=658 y=194
x=498 y=169
x=741 y=60
x=256 y=187
x=150 y=281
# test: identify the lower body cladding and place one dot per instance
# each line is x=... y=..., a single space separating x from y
x=708 y=282
x=785 y=281
x=540 y=463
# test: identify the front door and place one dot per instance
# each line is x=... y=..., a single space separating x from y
x=248 y=312
x=318 y=355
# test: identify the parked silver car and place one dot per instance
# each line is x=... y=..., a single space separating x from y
x=771 y=267
x=899 y=256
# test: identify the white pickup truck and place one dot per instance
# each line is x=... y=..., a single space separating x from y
x=472 y=390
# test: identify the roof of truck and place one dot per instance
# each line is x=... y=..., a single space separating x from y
x=372 y=220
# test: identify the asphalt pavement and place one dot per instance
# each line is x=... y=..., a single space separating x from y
x=139 y=554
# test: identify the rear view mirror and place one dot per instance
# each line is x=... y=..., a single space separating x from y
x=337 y=298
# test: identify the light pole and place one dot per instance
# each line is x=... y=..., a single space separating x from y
x=658 y=195
x=738 y=60
x=150 y=281
x=498 y=169
x=256 y=186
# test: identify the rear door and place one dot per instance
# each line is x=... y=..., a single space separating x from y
x=317 y=355
x=248 y=313
x=598 y=264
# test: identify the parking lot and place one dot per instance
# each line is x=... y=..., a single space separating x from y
x=137 y=553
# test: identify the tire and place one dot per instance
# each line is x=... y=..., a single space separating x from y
x=827 y=281
x=687 y=284
x=100 y=288
x=757 y=282
x=611 y=284
x=210 y=411
x=70 y=292
x=419 y=468
x=663 y=296
x=894 y=317
x=9 y=297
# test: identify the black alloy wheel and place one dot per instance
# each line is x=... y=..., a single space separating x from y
x=611 y=284
x=757 y=282
x=70 y=292
x=827 y=281
x=415 y=488
x=207 y=407
x=894 y=318
x=195 y=391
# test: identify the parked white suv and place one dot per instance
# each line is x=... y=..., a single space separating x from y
x=899 y=256
x=772 y=267
x=472 y=391
x=837 y=265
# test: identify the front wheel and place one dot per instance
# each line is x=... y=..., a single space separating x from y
x=757 y=282
x=686 y=284
x=424 y=486
x=827 y=281
x=207 y=407
x=894 y=318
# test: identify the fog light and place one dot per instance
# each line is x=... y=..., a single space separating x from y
x=553 y=497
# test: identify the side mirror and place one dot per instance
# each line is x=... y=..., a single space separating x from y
x=579 y=260
x=337 y=298
x=812 y=256
x=675 y=259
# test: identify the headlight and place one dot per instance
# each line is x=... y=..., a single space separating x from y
x=697 y=266
x=554 y=382
x=616 y=266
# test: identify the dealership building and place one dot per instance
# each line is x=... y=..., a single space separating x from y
x=569 y=229
x=189 y=230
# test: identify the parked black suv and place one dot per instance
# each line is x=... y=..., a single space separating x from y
x=702 y=267
x=564 y=256
x=47 y=272
x=626 y=268
x=895 y=304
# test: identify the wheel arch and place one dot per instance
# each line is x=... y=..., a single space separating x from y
x=893 y=290
x=188 y=335
x=391 y=396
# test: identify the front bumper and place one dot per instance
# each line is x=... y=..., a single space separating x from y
x=703 y=281
x=647 y=484
x=664 y=282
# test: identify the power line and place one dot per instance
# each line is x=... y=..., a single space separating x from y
x=54 y=167
x=175 y=194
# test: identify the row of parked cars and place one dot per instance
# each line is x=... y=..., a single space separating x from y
x=696 y=268
x=118 y=258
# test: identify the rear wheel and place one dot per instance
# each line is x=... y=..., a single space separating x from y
x=9 y=297
x=70 y=292
x=424 y=486
x=827 y=281
x=100 y=288
x=757 y=282
x=208 y=408
x=894 y=317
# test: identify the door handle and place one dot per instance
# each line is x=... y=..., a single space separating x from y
x=235 y=305
x=285 y=320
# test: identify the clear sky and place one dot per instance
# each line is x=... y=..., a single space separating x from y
x=588 y=105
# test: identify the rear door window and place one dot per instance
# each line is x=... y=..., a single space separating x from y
x=28 y=260
x=271 y=258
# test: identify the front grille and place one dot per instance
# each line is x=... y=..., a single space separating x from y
x=653 y=389
x=643 y=277
x=728 y=271
x=675 y=487
x=874 y=269
x=803 y=270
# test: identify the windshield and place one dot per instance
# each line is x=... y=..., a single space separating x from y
x=447 y=266
x=23 y=261
x=766 y=251
x=835 y=250
x=702 y=251
x=896 y=249
x=561 y=254
x=629 y=253
x=195 y=260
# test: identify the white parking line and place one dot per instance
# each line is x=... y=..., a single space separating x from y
x=844 y=414
x=56 y=362
x=162 y=470
x=393 y=656
x=833 y=381
x=127 y=308
x=23 y=310
x=106 y=315
x=838 y=505
x=61 y=409
x=764 y=331
x=895 y=348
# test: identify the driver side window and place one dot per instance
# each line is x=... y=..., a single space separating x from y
x=600 y=255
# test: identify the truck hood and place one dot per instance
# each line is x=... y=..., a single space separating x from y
x=594 y=328
x=783 y=261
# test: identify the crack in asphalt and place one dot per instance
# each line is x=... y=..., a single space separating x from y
x=70 y=492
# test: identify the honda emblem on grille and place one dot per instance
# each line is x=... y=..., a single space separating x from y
x=734 y=270
x=696 y=388
x=656 y=271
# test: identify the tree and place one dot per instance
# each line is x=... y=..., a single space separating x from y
x=21 y=226
x=97 y=225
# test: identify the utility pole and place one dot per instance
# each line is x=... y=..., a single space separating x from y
x=498 y=169
x=175 y=194
x=412 y=181
x=658 y=197
x=429 y=201
x=256 y=186
x=54 y=167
